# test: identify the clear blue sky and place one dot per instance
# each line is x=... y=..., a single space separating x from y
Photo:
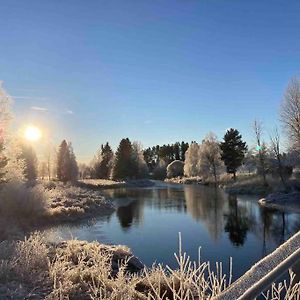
x=155 y=71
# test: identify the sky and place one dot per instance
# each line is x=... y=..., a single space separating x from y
x=157 y=71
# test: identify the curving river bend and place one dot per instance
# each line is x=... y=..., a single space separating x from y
x=148 y=220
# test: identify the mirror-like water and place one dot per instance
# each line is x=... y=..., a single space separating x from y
x=148 y=221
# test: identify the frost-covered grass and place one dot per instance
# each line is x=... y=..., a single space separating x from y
x=244 y=184
x=23 y=206
x=110 y=184
x=33 y=269
x=70 y=203
x=102 y=183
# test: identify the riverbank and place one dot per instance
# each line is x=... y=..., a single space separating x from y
x=110 y=184
x=34 y=269
x=282 y=201
x=250 y=184
x=47 y=204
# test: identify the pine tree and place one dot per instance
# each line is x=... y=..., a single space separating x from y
x=104 y=166
x=124 y=166
x=29 y=157
x=183 y=148
x=233 y=151
x=73 y=164
x=63 y=162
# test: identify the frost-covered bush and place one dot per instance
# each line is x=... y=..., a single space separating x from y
x=175 y=169
x=18 y=199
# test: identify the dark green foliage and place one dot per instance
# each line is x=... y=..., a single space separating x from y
x=166 y=153
x=233 y=151
x=125 y=166
x=104 y=166
x=28 y=155
x=237 y=223
x=67 y=169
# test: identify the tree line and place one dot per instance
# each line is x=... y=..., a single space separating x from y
x=207 y=159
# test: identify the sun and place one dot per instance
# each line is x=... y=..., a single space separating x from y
x=32 y=133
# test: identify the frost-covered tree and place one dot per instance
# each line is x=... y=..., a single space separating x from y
x=139 y=161
x=84 y=171
x=249 y=163
x=262 y=150
x=290 y=111
x=192 y=158
x=5 y=116
x=42 y=170
x=210 y=157
x=11 y=166
x=233 y=151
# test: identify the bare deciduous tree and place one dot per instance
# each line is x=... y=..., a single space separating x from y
x=290 y=111
x=260 y=147
x=275 y=146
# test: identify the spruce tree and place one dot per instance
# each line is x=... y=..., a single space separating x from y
x=105 y=165
x=29 y=157
x=124 y=166
x=233 y=151
x=63 y=162
x=73 y=167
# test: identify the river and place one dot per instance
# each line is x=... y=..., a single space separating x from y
x=148 y=221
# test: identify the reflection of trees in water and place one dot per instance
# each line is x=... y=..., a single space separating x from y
x=131 y=202
x=215 y=209
x=132 y=213
x=237 y=221
x=206 y=204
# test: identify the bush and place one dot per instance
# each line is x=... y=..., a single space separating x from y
x=175 y=169
x=17 y=199
x=160 y=172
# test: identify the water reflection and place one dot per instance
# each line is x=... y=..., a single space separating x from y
x=148 y=221
x=220 y=213
x=237 y=222
x=206 y=205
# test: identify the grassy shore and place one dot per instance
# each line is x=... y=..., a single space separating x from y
x=77 y=270
x=251 y=184
x=110 y=184
x=24 y=208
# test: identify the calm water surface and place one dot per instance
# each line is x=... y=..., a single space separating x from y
x=148 y=221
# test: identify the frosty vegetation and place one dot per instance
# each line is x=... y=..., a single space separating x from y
x=84 y=269
x=32 y=268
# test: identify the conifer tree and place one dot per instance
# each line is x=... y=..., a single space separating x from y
x=104 y=166
x=233 y=151
x=73 y=164
x=124 y=166
x=63 y=162
x=29 y=158
x=67 y=169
